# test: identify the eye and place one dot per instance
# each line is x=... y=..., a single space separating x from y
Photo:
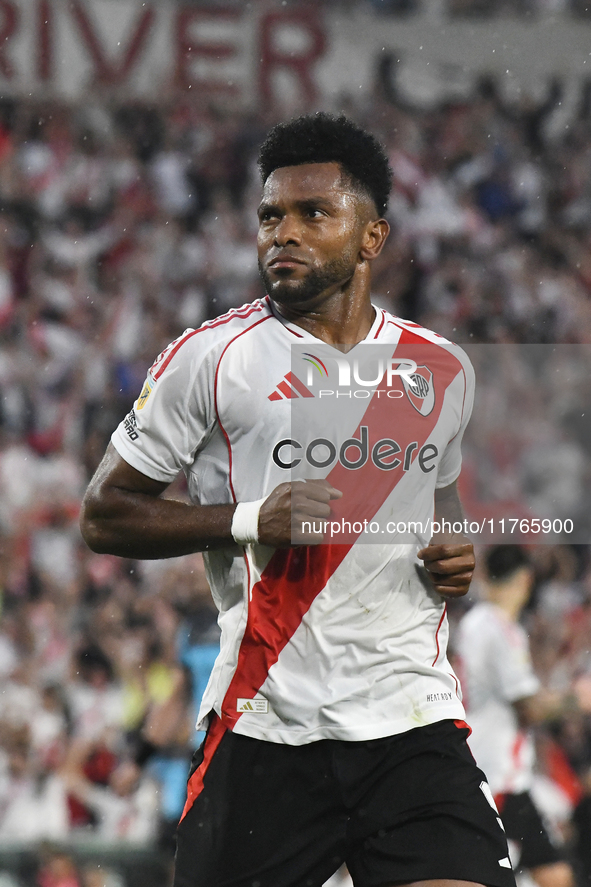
x=266 y=215
x=315 y=213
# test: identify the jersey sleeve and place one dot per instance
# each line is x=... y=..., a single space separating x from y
x=512 y=663
x=172 y=415
x=451 y=462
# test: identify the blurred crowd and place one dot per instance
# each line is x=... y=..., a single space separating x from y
x=557 y=620
x=123 y=223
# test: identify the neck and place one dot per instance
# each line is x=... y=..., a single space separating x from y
x=341 y=318
x=507 y=601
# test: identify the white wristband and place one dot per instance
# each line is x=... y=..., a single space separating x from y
x=245 y=522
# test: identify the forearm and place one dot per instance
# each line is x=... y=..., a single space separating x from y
x=123 y=513
x=448 y=507
x=136 y=525
x=449 y=557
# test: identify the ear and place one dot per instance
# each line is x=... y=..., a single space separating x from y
x=374 y=238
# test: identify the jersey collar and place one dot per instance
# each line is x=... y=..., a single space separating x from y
x=376 y=328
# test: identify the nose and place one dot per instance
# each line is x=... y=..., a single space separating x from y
x=287 y=232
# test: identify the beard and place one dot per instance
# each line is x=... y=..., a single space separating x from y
x=318 y=280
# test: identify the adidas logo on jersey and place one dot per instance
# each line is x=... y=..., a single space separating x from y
x=256 y=706
x=290 y=387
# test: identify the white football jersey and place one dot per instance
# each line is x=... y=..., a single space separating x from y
x=496 y=670
x=342 y=641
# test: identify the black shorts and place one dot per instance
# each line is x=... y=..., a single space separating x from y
x=405 y=808
x=532 y=844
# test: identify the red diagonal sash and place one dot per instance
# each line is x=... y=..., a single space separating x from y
x=294 y=577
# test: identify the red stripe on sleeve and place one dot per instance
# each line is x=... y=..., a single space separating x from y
x=166 y=356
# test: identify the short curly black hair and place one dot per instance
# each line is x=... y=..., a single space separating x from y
x=324 y=138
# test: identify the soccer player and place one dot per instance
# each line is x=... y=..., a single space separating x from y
x=503 y=698
x=334 y=720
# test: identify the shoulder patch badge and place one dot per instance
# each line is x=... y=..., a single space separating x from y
x=146 y=391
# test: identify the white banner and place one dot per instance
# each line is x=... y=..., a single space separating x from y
x=259 y=52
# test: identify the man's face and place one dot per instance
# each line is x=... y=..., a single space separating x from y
x=311 y=225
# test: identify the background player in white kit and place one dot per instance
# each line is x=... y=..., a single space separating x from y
x=335 y=723
x=503 y=698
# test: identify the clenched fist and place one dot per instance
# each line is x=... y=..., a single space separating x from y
x=285 y=511
x=450 y=566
